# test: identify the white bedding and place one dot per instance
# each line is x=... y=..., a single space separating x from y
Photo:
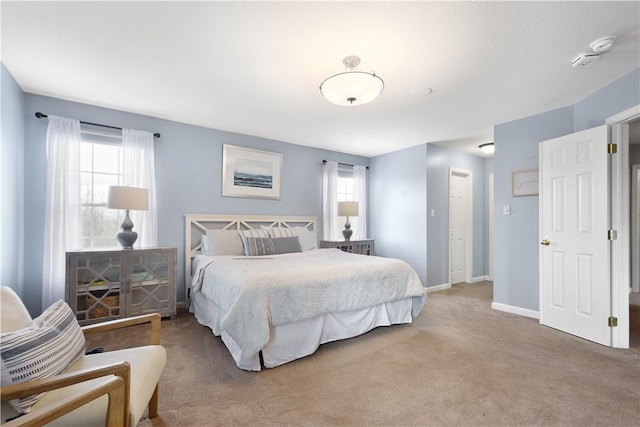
x=257 y=293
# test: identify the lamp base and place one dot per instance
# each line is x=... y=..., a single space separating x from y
x=347 y=232
x=127 y=237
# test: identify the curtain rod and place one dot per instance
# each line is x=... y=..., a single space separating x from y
x=324 y=162
x=44 y=116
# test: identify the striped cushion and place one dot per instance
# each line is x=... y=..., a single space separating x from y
x=45 y=348
x=256 y=233
x=258 y=246
x=275 y=232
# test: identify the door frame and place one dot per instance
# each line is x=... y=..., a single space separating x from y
x=491 y=213
x=619 y=215
x=468 y=223
x=635 y=232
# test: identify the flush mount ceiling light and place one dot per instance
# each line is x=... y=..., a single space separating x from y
x=352 y=87
x=487 y=148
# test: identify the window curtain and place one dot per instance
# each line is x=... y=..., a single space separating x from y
x=139 y=171
x=62 y=210
x=329 y=201
x=360 y=195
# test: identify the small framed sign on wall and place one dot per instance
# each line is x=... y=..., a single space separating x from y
x=250 y=173
x=524 y=182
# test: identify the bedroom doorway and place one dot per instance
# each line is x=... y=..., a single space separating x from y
x=460 y=225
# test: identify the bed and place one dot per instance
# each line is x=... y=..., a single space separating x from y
x=263 y=286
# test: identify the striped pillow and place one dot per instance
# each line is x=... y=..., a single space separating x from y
x=46 y=348
x=256 y=233
x=258 y=246
x=276 y=232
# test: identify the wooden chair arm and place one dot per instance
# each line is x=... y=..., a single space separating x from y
x=111 y=325
x=120 y=370
x=116 y=412
x=27 y=388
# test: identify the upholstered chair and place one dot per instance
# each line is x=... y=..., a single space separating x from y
x=110 y=388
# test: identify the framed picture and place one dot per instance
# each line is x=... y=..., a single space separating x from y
x=250 y=173
x=524 y=182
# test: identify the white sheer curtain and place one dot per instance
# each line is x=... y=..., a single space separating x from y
x=62 y=211
x=360 y=195
x=139 y=171
x=329 y=201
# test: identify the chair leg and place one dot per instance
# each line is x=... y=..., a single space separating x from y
x=153 y=404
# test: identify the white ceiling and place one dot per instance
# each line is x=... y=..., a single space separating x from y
x=255 y=67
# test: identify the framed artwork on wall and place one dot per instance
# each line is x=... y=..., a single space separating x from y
x=250 y=173
x=524 y=182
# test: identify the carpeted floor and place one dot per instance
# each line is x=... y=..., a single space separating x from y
x=459 y=364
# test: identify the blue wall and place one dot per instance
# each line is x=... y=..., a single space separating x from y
x=516 y=235
x=188 y=174
x=398 y=198
x=515 y=273
x=11 y=180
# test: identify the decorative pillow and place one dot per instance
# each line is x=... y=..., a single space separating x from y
x=46 y=348
x=258 y=246
x=308 y=238
x=255 y=233
x=221 y=242
x=275 y=232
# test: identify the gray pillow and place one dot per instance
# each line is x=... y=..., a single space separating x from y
x=258 y=246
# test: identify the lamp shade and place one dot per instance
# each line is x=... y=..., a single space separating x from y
x=132 y=198
x=347 y=208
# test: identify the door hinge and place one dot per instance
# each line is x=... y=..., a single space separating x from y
x=612 y=234
x=613 y=322
x=612 y=148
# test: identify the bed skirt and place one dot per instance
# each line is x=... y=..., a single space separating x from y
x=295 y=340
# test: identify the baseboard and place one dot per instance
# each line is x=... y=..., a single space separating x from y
x=516 y=310
x=479 y=279
x=437 y=288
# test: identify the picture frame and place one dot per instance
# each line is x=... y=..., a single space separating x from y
x=247 y=172
x=525 y=182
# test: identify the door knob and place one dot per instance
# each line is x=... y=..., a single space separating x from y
x=545 y=242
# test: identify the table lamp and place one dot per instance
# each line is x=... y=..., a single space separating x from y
x=347 y=209
x=127 y=198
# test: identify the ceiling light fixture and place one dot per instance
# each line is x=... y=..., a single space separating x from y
x=487 y=148
x=352 y=87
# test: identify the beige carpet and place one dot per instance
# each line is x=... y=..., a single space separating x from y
x=459 y=364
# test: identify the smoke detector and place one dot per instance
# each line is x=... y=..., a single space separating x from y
x=603 y=44
x=585 y=58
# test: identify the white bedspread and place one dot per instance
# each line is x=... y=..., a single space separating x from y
x=258 y=292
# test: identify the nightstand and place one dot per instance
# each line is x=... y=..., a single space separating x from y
x=362 y=247
x=111 y=284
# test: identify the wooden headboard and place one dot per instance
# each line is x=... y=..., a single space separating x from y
x=197 y=224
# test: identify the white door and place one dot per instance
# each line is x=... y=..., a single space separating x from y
x=457 y=227
x=575 y=293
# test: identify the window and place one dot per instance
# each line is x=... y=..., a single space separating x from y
x=101 y=166
x=345 y=189
x=341 y=182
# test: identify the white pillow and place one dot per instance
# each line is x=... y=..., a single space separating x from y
x=308 y=238
x=221 y=242
x=45 y=348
